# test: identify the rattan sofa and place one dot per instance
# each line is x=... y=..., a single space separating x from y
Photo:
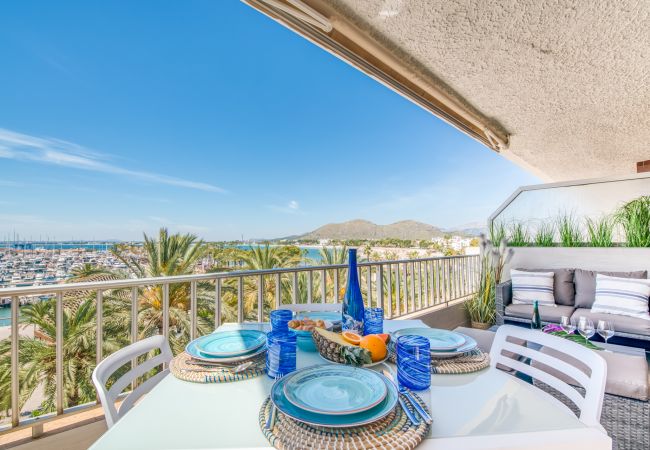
x=574 y=300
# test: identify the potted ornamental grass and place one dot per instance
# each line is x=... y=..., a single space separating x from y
x=481 y=307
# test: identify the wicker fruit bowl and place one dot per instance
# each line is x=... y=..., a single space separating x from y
x=333 y=347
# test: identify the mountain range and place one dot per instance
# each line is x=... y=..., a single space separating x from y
x=364 y=229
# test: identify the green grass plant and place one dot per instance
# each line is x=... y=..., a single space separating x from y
x=600 y=231
x=545 y=235
x=518 y=235
x=497 y=232
x=569 y=230
x=634 y=218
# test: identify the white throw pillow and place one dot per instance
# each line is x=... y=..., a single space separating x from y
x=530 y=286
x=623 y=296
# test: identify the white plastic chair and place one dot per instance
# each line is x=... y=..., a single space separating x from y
x=593 y=383
x=108 y=366
x=314 y=307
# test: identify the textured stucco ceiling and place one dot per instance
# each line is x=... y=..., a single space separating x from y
x=569 y=81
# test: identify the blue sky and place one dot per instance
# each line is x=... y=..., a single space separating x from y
x=117 y=118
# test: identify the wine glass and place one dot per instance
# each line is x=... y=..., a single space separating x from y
x=568 y=324
x=586 y=328
x=605 y=329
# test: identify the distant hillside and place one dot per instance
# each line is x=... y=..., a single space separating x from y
x=363 y=229
x=471 y=229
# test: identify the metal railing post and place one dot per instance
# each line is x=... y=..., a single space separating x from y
x=310 y=286
x=217 y=303
x=444 y=279
x=369 y=288
x=59 y=353
x=165 y=310
x=420 y=302
x=15 y=382
x=412 y=303
x=294 y=288
x=323 y=286
x=427 y=301
x=134 y=328
x=278 y=290
x=99 y=328
x=260 y=298
x=193 y=310
x=380 y=286
x=336 y=286
x=389 y=281
x=240 y=299
x=398 y=294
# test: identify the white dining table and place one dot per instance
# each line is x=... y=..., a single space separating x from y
x=489 y=409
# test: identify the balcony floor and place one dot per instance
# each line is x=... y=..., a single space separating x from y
x=77 y=438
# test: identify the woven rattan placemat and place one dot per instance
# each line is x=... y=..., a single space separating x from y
x=469 y=362
x=394 y=431
x=181 y=369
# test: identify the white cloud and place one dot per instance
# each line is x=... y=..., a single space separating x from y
x=293 y=207
x=57 y=152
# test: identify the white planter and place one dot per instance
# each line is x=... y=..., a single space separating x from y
x=616 y=259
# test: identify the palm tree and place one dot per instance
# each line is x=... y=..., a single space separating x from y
x=37 y=355
x=262 y=258
x=334 y=256
x=169 y=255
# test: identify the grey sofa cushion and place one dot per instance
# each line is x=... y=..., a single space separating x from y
x=585 y=284
x=623 y=324
x=627 y=375
x=563 y=289
x=547 y=313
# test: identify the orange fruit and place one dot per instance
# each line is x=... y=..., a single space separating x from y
x=375 y=345
x=352 y=338
x=385 y=337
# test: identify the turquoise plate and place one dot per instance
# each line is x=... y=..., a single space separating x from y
x=194 y=352
x=335 y=421
x=225 y=344
x=469 y=345
x=335 y=390
x=440 y=340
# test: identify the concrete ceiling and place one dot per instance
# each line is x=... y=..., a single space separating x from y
x=568 y=81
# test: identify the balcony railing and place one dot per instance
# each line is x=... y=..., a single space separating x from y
x=399 y=287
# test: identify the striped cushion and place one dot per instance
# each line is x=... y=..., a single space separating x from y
x=530 y=286
x=623 y=296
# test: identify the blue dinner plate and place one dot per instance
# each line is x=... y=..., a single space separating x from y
x=225 y=344
x=335 y=390
x=469 y=345
x=330 y=420
x=439 y=340
x=192 y=350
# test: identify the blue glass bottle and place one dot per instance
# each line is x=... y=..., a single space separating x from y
x=352 y=316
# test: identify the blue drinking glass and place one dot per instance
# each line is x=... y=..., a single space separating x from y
x=373 y=321
x=413 y=360
x=280 y=319
x=280 y=353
